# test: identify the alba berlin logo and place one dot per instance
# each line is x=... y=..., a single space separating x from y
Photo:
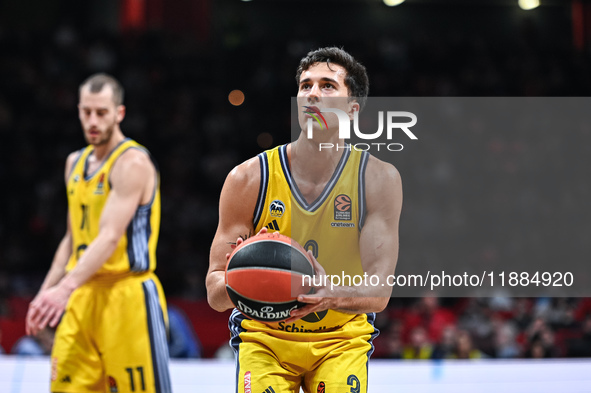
x=345 y=128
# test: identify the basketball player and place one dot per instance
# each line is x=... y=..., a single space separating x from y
x=112 y=337
x=327 y=343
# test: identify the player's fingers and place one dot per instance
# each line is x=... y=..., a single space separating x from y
x=31 y=312
x=38 y=314
x=309 y=299
x=299 y=313
x=46 y=318
x=263 y=230
x=29 y=321
x=55 y=320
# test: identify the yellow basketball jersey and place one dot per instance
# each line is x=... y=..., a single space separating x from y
x=87 y=194
x=329 y=226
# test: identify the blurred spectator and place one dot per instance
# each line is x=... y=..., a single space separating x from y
x=476 y=319
x=505 y=341
x=465 y=347
x=392 y=345
x=541 y=343
x=420 y=347
x=445 y=348
x=428 y=313
x=581 y=347
x=183 y=341
x=39 y=345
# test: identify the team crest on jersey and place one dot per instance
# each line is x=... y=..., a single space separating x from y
x=113 y=385
x=277 y=208
x=100 y=188
x=342 y=208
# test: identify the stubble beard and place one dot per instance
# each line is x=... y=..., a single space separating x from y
x=105 y=138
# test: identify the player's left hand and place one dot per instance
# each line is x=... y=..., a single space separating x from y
x=320 y=300
x=47 y=308
x=241 y=240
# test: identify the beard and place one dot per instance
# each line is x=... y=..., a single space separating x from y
x=104 y=137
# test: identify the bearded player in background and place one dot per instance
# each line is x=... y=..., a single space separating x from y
x=112 y=336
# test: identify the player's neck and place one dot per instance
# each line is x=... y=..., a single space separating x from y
x=103 y=150
x=309 y=161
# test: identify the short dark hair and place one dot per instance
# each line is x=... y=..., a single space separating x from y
x=96 y=82
x=356 y=79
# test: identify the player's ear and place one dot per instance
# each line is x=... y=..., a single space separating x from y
x=120 y=113
x=353 y=107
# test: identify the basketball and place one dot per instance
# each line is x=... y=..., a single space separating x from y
x=264 y=276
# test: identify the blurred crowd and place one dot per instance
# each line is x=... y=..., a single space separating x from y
x=477 y=328
x=177 y=106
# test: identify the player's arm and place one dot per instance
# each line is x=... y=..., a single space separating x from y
x=58 y=266
x=236 y=212
x=60 y=259
x=378 y=244
x=131 y=177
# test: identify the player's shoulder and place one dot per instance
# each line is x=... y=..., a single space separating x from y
x=381 y=171
x=135 y=155
x=245 y=173
x=132 y=162
x=383 y=187
x=72 y=159
x=248 y=173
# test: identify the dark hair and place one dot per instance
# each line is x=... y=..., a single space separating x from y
x=356 y=79
x=96 y=83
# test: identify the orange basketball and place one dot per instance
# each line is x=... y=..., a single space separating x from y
x=264 y=276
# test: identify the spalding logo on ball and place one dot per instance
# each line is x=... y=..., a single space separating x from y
x=264 y=276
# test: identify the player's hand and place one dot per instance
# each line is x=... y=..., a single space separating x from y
x=47 y=309
x=240 y=240
x=320 y=300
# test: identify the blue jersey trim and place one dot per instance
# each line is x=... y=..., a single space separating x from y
x=264 y=168
x=139 y=231
x=312 y=207
x=90 y=176
x=80 y=154
x=361 y=192
x=235 y=325
x=158 y=338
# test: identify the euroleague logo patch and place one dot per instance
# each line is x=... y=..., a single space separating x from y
x=277 y=208
x=342 y=207
x=100 y=188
